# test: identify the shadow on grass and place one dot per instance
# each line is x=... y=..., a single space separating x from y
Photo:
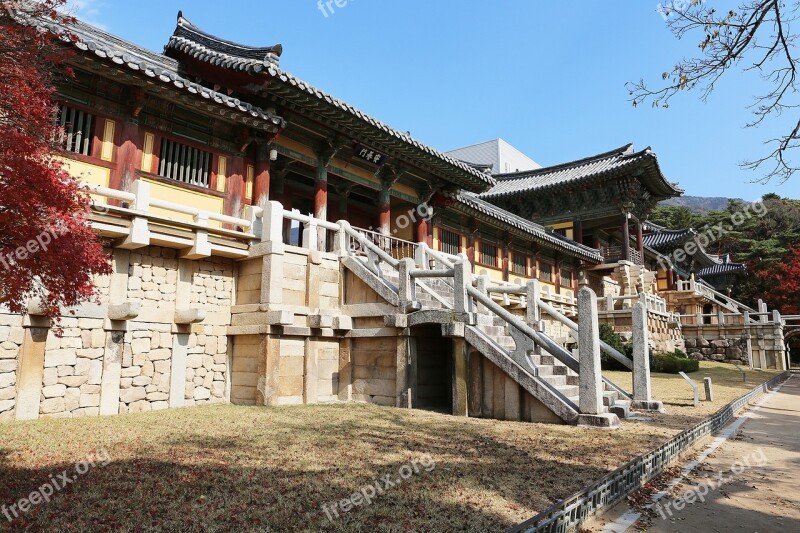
x=271 y=470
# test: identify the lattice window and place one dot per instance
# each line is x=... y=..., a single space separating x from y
x=519 y=264
x=184 y=163
x=78 y=129
x=488 y=254
x=449 y=242
x=546 y=272
x=567 y=278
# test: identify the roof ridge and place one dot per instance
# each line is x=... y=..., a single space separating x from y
x=186 y=24
x=623 y=151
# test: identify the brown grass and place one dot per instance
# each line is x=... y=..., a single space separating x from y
x=228 y=468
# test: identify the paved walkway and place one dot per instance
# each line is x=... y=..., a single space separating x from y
x=750 y=484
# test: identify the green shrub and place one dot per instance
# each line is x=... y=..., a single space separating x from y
x=610 y=337
x=673 y=363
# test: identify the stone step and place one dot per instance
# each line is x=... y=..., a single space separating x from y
x=621 y=408
x=569 y=391
x=556 y=381
x=609 y=398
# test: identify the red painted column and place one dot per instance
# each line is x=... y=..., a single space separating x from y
x=670 y=279
x=129 y=156
x=261 y=182
x=385 y=209
x=421 y=230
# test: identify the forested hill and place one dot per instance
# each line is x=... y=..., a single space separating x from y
x=699 y=204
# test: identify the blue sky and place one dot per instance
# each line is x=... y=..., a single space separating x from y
x=546 y=76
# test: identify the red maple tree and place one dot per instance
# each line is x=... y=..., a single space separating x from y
x=47 y=248
x=781 y=282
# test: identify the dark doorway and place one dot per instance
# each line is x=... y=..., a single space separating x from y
x=434 y=386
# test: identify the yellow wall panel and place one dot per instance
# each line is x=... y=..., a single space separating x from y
x=107 y=152
x=91 y=174
x=222 y=173
x=179 y=195
x=147 y=152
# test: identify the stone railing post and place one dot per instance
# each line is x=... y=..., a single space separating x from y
x=311 y=236
x=482 y=284
x=407 y=286
x=272 y=250
x=462 y=278
x=642 y=389
x=139 y=236
x=421 y=256
x=592 y=411
x=591 y=397
x=534 y=291
x=341 y=245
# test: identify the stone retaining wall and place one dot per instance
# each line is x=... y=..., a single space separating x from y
x=99 y=366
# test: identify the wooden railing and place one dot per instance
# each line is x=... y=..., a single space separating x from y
x=615 y=254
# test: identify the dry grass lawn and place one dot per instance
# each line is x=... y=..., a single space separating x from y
x=228 y=468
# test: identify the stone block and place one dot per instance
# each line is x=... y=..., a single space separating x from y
x=159 y=406
x=132 y=395
x=8 y=393
x=57 y=358
x=54 y=391
x=90 y=400
x=194 y=360
x=82 y=367
x=218 y=389
x=52 y=405
x=95 y=372
x=142 y=381
x=148 y=369
x=73 y=381
x=72 y=399
x=202 y=393
x=8 y=365
x=6 y=405
x=131 y=372
x=141 y=406
x=90 y=389
x=160 y=354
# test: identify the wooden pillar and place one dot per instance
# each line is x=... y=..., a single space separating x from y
x=506 y=251
x=385 y=208
x=473 y=229
x=578 y=231
x=626 y=238
x=421 y=230
x=670 y=279
x=344 y=200
x=640 y=239
x=557 y=274
x=128 y=156
x=261 y=182
x=321 y=192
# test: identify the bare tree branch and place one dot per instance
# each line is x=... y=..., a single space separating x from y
x=760 y=28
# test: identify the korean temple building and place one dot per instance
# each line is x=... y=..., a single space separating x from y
x=274 y=245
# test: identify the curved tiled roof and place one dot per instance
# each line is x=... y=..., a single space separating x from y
x=191 y=40
x=665 y=239
x=105 y=46
x=722 y=269
x=327 y=103
x=539 y=233
x=215 y=51
x=605 y=164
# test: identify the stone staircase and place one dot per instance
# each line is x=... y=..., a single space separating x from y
x=542 y=375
